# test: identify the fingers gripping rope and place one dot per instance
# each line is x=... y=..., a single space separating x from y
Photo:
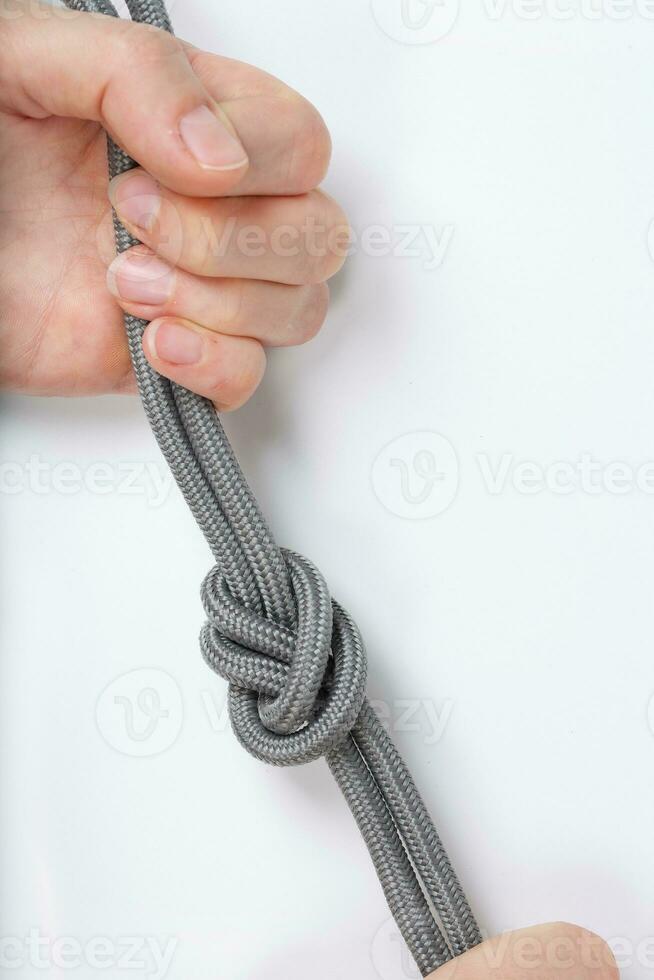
x=293 y=657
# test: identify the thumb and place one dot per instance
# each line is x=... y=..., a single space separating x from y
x=134 y=79
x=557 y=951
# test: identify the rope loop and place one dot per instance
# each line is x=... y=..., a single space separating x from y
x=295 y=692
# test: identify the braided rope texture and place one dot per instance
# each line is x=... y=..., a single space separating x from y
x=293 y=657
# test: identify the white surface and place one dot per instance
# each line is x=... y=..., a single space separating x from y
x=531 y=619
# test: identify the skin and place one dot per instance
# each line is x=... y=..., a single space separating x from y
x=556 y=951
x=64 y=77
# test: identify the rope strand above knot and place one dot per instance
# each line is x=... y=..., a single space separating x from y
x=294 y=693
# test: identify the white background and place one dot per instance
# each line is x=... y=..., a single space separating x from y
x=523 y=620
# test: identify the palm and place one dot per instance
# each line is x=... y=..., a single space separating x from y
x=61 y=329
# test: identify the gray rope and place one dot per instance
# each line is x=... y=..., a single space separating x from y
x=293 y=657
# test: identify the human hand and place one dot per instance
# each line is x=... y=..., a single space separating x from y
x=557 y=951
x=224 y=202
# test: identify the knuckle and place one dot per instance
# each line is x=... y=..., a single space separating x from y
x=145 y=43
x=591 y=951
x=311 y=147
x=314 y=310
x=600 y=954
x=196 y=254
x=233 y=389
x=214 y=232
x=327 y=254
x=231 y=307
x=134 y=48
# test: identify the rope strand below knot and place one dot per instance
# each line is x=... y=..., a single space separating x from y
x=295 y=693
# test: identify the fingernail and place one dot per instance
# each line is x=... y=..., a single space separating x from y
x=136 y=199
x=141 y=277
x=210 y=141
x=171 y=341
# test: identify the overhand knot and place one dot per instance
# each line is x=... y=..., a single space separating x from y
x=295 y=693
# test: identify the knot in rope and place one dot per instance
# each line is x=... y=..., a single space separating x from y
x=295 y=692
x=296 y=674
